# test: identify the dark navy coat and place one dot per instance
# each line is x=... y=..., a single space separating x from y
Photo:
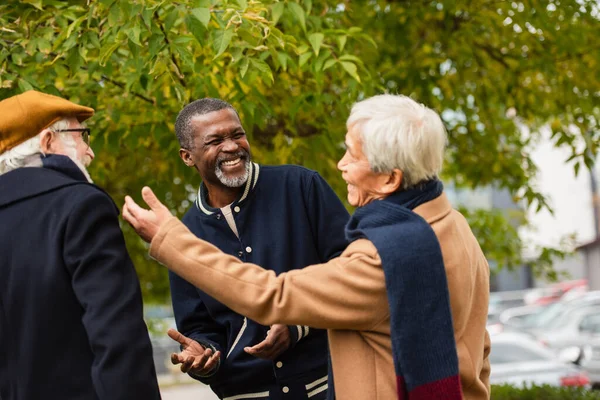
x=71 y=324
x=287 y=218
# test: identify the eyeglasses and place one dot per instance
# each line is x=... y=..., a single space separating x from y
x=85 y=133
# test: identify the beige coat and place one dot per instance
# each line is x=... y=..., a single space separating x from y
x=347 y=296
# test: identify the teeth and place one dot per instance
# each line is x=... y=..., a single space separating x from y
x=231 y=162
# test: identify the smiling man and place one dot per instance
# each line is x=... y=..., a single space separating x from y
x=280 y=217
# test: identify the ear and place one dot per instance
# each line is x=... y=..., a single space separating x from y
x=186 y=156
x=393 y=182
x=46 y=139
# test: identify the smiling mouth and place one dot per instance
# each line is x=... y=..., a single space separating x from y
x=230 y=163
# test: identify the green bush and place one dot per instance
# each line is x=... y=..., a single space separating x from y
x=506 y=392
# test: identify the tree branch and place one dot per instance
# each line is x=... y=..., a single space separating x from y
x=180 y=76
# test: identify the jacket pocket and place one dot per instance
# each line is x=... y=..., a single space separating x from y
x=239 y=336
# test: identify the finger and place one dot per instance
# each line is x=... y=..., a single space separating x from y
x=258 y=348
x=127 y=216
x=187 y=364
x=212 y=362
x=176 y=359
x=131 y=205
x=178 y=337
x=201 y=360
x=151 y=199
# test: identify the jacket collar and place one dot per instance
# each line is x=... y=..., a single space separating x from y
x=249 y=186
x=435 y=209
x=22 y=183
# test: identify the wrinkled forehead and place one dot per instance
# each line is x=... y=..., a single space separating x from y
x=220 y=122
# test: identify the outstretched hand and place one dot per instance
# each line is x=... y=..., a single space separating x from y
x=277 y=341
x=146 y=222
x=194 y=357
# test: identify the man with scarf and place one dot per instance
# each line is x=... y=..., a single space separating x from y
x=70 y=300
x=405 y=305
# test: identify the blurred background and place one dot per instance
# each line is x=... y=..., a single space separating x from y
x=517 y=84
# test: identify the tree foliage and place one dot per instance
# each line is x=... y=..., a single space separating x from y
x=293 y=69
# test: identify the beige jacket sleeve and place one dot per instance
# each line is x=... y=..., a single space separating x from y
x=347 y=292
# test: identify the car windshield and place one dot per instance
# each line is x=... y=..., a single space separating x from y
x=547 y=315
x=503 y=353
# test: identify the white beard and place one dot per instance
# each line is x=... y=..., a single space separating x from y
x=71 y=151
x=234 y=181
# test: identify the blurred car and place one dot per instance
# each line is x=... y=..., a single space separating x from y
x=547 y=317
x=555 y=292
x=577 y=327
x=519 y=317
x=500 y=301
x=517 y=359
x=590 y=362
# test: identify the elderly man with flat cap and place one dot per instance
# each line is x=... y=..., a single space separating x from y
x=71 y=322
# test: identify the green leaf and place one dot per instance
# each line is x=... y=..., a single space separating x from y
x=244 y=67
x=202 y=15
x=298 y=12
x=221 y=41
x=24 y=85
x=170 y=19
x=76 y=24
x=114 y=14
x=350 y=69
x=106 y=52
x=243 y=4
x=186 y=56
x=329 y=63
x=342 y=41
x=74 y=60
x=350 y=57
x=282 y=57
x=36 y=3
x=44 y=46
x=304 y=58
x=196 y=28
x=316 y=39
x=154 y=44
x=263 y=67
x=237 y=54
x=308 y=4
x=134 y=34
x=321 y=60
x=276 y=11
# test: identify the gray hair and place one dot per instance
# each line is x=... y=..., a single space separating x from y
x=397 y=132
x=27 y=153
x=183 y=123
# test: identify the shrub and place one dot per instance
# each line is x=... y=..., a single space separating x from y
x=507 y=392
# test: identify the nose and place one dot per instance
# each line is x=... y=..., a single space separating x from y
x=90 y=152
x=230 y=146
x=341 y=165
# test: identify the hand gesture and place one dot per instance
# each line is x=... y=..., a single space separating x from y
x=277 y=341
x=146 y=222
x=194 y=357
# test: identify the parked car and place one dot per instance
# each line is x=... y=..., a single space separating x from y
x=590 y=362
x=544 y=320
x=553 y=293
x=519 y=317
x=500 y=301
x=576 y=327
x=517 y=359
